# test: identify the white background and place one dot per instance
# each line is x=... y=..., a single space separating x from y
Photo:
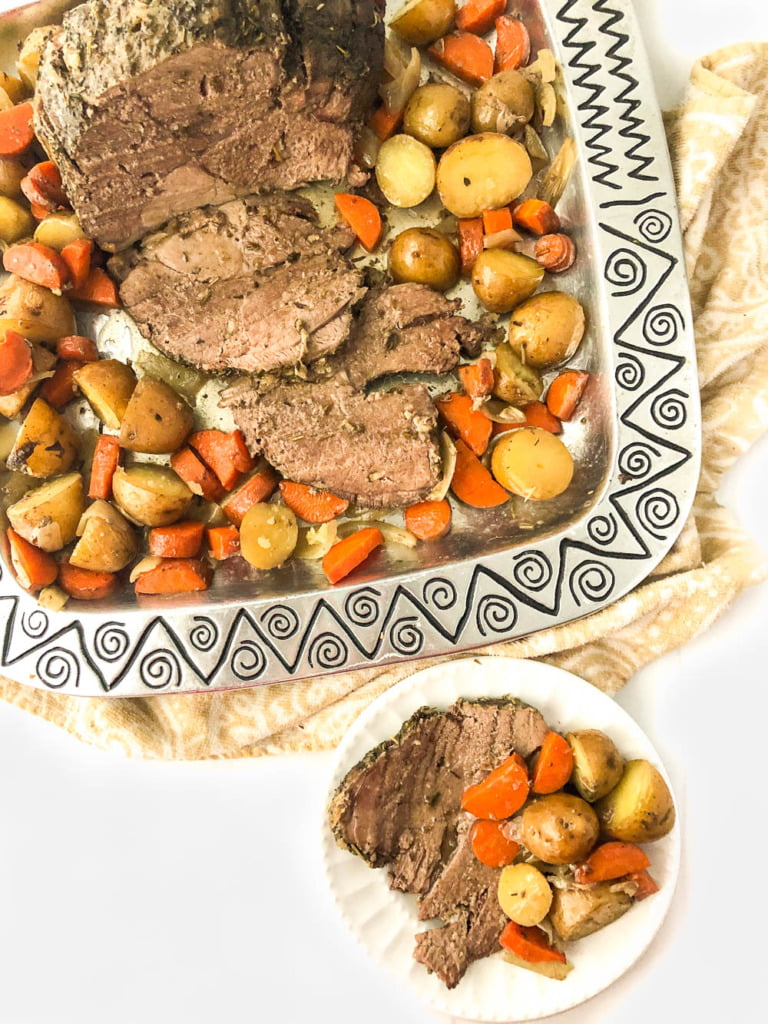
x=192 y=892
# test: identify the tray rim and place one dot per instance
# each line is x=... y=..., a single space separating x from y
x=147 y=650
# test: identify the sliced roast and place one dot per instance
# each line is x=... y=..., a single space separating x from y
x=154 y=107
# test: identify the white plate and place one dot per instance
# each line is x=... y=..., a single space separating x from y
x=385 y=922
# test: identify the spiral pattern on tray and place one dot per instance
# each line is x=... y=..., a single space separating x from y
x=362 y=607
x=629 y=374
x=591 y=581
x=57 y=668
x=657 y=511
x=495 y=614
x=280 y=622
x=248 y=662
x=533 y=570
x=440 y=593
x=637 y=460
x=34 y=623
x=669 y=410
x=111 y=641
x=327 y=651
x=662 y=325
x=625 y=271
x=204 y=635
x=602 y=529
x=160 y=669
x=654 y=225
x=406 y=637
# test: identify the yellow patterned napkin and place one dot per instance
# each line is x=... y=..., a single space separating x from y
x=719 y=144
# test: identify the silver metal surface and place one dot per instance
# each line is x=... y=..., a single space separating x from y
x=500 y=573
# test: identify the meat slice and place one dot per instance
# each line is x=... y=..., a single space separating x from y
x=378 y=450
x=154 y=107
x=401 y=806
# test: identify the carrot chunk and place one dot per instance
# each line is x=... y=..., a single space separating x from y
x=646 y=886
x=34 y=568
x=39 y=264
x=42 y=186
x=501 y=793
x=60 y=389
x=529 y=944
x=472 y=483
x=84 y=584
x=362 y=216
x=99 y=290
x=351 y=552
x=226 y=454
x=536 y=216
x=310 y=505
x=565 y=393
x=553 y=765
x=76 y=347
x=477 y=378
x=491 y=845
x=16 y=131
x=428 y=520
x=38 y=212
x=77 y=256
x=223 y=541
x=465 y=422
x=180 y=540
x=175 y=576
x=513 y=44
x=495 y=221
x=196 y=475
x=16 y=365
x=465 y=55
x=536 y=415
x=106 y=459
x=478 y=16
x=384 y=123
x=609 y=861
x=257 y=488
x=470 y=231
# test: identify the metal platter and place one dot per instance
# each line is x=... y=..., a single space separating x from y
x=500 y=573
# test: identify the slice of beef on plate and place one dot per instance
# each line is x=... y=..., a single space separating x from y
x=379 y=450
x=153 y=107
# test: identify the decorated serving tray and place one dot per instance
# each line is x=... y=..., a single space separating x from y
x=500 y=573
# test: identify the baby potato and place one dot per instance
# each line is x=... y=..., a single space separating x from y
x=420 y=22
x=108 y=385
x=482 y=172
x=503 y=104
x=150 y=495
x=46 y=444
x=578 y=911
x=11 y=173
x=15 y=220
x=533 y=463
x=597 y=763
x=30 y=51
x=156 y=420
x=425 y=256
x=268 y=535
x=559 y=829
x=547 y=329
x=48 y=516
x=502 y=279
x=640 y=808
x=58 y=229
x=514 y=382
x=437 y=115
x=405 y=171
x=524 y=894
x=33 y=311
x=107 y=542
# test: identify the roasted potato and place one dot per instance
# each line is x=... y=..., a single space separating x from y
x=533 y=463
x=33 y=311
x=502 y=279
x=156 y=420
x=107 y=542
x=420 y=22
x=482 y=172
x=405 y=171
x=11 y=173
x=15 y=220
x=524 y=894
x=504 y=104
x=425 y=256
x=597 y=763
x=437 y=115
x=59 y=229
x=547 y=329
x=640 y=808
x=150 y=495
x=14 y=88
x=108 y=385
x=514 y=382
x=268 y=535
x=560 y=828
x=580 y=911
x=48 y=516
x=28 y=59
x=46 y=445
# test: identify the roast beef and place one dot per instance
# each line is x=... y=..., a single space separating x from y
x=154 y=107
x=401 y=807
x=378 y=450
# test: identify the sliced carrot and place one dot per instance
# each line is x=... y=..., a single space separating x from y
x=465 y=55
x=175 y=576
x=84 y=584
x=501 y=793
x=42 y=186
x=646 y=886
x=223 y=541
x=362 y=216
x=495 y=221
x=513 y=44
x=565 y=393
x=257 y=488
x=39 y=264
x=38 y=212
x=477 y=378
x=428 y=520
x=16 y=366
x=180 y=540
x=536 y=216
x=478 y=16
x=609 y=861
x=16 y=131
x=553 y=765
x=106 y=459
x=76 y=347
x=226 y=454
x=491 y=845
x=310 y=505
x=384 y=123
x=196 y=475
x=98 y=290
x=60 y=389
x=77 y=256
x=470 y=231
x=464 y=421
x=351 y=552
x=33 y=567
x=529 y=944
x=472 y=483
x=555 y=253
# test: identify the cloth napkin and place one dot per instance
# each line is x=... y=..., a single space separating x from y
x=719 y=145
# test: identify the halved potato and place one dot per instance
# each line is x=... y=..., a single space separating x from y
x=405 y=171
x=108 y=385
x=48 y=516
x=420 y=22
x=156 y=420
x=46 y=444
x=582 y=910
x=514 y=382
x=597 y=763
x=33 y=311
x=150 y=495
x=268 y=535
x=482 y=172
x=640 y=808
x=107 y=542
x=533 y=463
x=15 y=220
x=59 y=229
x=547 y=329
